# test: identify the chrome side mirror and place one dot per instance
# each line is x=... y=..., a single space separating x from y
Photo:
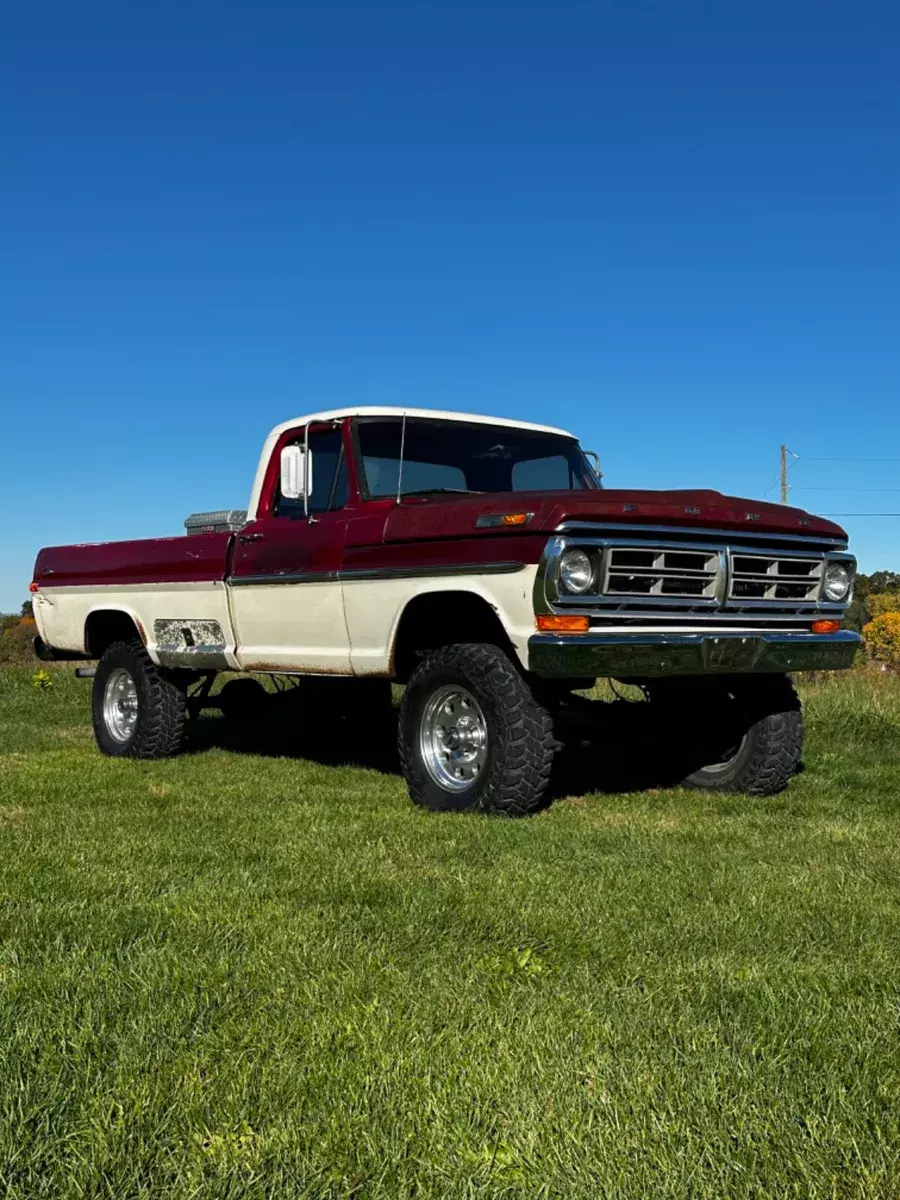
x=296 y=465
x=594 y=459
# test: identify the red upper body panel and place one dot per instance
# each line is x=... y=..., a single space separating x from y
x=202 y=557
x=432 y=531
x=455 y=516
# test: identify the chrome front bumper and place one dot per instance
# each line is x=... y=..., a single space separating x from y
x=640 y=655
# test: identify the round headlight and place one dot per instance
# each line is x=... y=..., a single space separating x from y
x=575 y=571
x=837 y=582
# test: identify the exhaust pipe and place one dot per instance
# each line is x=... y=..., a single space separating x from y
x=48 y=654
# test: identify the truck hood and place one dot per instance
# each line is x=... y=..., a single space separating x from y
x=456 y=516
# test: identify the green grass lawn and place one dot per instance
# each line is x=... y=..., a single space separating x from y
x=256 y=971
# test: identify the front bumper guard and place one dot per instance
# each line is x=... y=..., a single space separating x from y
x=643 y=655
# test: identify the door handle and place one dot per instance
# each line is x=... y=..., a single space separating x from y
x=250 y=537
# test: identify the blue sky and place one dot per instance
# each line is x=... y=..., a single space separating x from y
x=672 y=228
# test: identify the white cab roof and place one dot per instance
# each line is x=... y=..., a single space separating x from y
x=338 y=414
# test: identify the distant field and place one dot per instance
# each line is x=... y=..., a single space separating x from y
x=250 y=972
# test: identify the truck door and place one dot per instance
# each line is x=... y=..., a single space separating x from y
x=286 y=599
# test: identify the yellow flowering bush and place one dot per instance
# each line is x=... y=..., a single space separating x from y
x=882 y=637
x=880 y=603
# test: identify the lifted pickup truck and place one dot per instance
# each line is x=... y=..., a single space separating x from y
x=481 y=563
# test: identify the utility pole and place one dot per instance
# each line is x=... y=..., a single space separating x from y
x=784 y=473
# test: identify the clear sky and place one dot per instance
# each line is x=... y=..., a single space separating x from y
x=671 y=227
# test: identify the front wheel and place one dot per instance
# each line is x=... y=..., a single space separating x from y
x=138 y=708
x=471 y=734
x=736 y=735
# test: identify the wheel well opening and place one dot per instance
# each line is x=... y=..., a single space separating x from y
x=103 y=628
x=438 y=619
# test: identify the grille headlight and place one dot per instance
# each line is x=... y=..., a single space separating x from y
x=576 y=572
x=837 y=583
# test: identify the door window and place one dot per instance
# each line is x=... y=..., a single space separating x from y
x=328 y=470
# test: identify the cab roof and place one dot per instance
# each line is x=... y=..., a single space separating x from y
x=432 y=414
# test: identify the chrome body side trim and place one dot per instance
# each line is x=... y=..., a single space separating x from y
x=484 y=568
x=649 y=655
x=369 y=573
x=283 y=577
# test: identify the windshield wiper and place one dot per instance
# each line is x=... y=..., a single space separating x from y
x=442 y=492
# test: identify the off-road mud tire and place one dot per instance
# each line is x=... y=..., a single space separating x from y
x=162 y=708
x=766 y=714
x=521 y=743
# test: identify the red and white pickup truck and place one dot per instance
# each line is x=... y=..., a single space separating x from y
x=481 y=563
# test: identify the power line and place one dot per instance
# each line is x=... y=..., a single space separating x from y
x=859 y=514
x=789 y=459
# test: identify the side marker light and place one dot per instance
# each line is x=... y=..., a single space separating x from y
x=825 y=626
x=562 y=623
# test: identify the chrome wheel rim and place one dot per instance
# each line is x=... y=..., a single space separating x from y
x=453 y=738
x=120 y=705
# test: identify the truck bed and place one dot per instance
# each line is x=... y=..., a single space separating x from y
x=202 y=557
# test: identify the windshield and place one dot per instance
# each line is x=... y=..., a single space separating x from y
x=449 y=456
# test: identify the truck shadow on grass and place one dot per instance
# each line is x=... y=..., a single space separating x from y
x=615 y=747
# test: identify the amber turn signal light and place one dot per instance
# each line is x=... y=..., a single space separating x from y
x=825 y=626
x=495 y=520
x=563 y=623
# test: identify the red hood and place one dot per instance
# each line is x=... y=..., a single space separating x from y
x=455 y=516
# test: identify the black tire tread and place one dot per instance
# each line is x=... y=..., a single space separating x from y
x=777 y=733
x=160 y=729
x=522 y=763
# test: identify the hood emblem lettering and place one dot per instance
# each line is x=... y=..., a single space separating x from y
x=751 y=516
x=629 y=508
x=691 y=511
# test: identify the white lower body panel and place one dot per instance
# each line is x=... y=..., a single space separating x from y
x=374 y=607
x=291 y=627
x=175 y=621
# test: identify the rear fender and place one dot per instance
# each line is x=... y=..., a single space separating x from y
x=106 y=623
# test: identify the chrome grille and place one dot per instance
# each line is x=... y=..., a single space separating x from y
x=679 y=578
x=687 y=574
x=774 y=577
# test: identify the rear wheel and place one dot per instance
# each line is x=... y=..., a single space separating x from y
x=740 y=735
x=138 y=709
x=472 y=735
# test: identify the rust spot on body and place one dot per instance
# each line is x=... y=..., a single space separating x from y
x=269 y=668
